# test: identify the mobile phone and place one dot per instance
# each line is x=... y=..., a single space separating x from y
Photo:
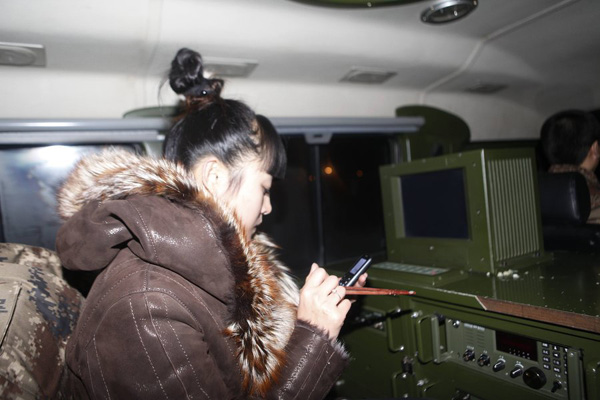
x=356 y=271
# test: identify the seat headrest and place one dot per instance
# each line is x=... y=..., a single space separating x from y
x=564 y=198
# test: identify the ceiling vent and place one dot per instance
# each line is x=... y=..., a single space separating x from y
x=486 y=88
x=22 y=55
x=367 y=75
x=228 y=67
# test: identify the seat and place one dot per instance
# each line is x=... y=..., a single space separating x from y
x=38 y=312
x=442 y=133
x=565 y=208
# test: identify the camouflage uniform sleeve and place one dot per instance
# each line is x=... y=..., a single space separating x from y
x=38 y=311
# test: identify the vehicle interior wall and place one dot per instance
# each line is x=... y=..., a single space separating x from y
x=103 y=59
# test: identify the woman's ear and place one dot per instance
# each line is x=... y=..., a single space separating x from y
x=212 y=175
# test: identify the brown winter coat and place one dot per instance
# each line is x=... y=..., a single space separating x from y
x=185 y=307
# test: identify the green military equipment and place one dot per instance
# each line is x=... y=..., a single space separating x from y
x=524 y=324
x=476 y=210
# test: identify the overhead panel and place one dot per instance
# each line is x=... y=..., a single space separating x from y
x=357 y=3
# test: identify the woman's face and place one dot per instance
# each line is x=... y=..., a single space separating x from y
x=252 y=198
x=245 y=191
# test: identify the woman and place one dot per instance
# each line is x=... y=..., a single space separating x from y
x=192 y=302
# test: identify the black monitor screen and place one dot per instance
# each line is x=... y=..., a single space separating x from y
x=434 y=204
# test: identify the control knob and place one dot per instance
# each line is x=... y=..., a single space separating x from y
x=534 y=378
x=499 y=365
x=516 y=371
x=469 y=355
x=483 y=360
x=555 y=386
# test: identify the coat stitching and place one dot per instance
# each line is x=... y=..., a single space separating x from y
x=117 y=283
x=148 y=233
x=187 y=358
x=146 y=350
x=100 y=368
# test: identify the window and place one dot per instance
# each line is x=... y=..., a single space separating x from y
x=328 y=208
x=29 y=180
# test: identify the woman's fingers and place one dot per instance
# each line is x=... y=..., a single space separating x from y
x=322 y=301
x=337 y=294
x=362 y=280
x=316 y=276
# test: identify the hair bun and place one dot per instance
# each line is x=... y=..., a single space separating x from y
x=186 y=71
x=186 y=77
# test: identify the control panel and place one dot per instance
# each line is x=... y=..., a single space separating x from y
x=539 y=365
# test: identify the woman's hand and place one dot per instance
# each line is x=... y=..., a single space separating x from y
x=322 y=302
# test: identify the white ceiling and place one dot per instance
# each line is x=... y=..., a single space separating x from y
x=547 y=52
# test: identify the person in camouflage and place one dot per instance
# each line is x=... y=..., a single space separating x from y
x=38 y=312
x=570 y=143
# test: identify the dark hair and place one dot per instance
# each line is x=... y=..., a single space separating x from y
x=211 y=125
x=568 y=135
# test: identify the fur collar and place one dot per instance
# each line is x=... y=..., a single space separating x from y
x=263 y=313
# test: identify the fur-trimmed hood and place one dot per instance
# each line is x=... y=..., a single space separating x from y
x=260 y=295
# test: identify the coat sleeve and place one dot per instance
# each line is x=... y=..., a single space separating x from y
x=163 y=353
x=314 y=363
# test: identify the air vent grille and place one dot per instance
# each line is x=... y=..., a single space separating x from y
x=513 y=208
x=367 y=75
x=228 y=67
x=486 y=88
x=22 y=55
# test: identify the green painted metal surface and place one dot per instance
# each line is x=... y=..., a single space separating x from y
x=442 y=133
x=410 y=346
x=502 y=204
x=533 y=312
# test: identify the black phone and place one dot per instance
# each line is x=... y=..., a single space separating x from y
x=350 y=278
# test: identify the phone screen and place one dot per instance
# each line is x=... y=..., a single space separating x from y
x=354 y=273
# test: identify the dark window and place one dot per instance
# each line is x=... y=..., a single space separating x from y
x=351 y=196
x=328 y=208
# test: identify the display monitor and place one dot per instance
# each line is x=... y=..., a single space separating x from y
x=476 y=210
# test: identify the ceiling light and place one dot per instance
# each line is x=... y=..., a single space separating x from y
x=448 y=11
x=367 y=75
x=22 y=55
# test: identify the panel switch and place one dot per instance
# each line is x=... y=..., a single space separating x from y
x=469 y=355
x=483 y=360
x=516 y=371
x=499 y=366
x=556 y=386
